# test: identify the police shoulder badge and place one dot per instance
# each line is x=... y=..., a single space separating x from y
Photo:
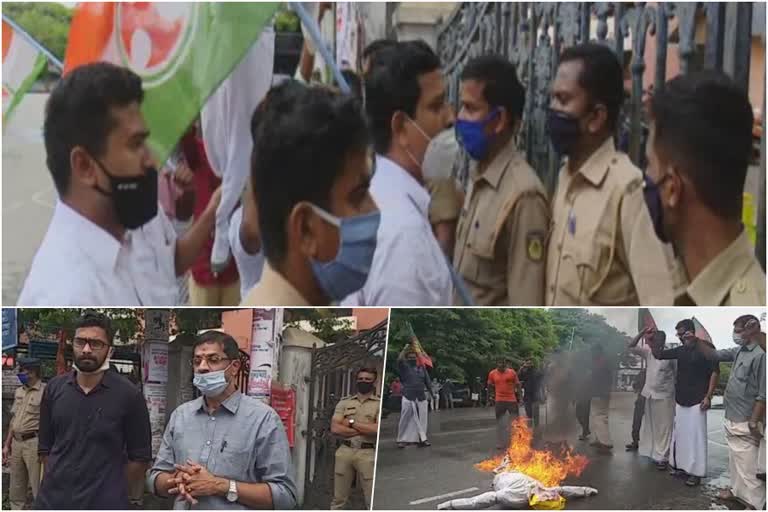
x=534 y=242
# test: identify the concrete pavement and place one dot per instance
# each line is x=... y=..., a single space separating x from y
x=421 y=478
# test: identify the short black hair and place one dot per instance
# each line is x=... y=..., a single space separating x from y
x=601 y=76
x=501 y=88
x=743 y=319
x=78 y=114
x=227 y=342
x=304 y=137
x=376 y=46
x=703 y=121
x=355 y=84
x=96 y=319
x=687 y=324
x=368 y=369
x=393 y=85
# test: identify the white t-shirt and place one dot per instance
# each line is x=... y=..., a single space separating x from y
x=249 y=266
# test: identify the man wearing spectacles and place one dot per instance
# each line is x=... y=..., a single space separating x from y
x=94 y=428
x=223 y=450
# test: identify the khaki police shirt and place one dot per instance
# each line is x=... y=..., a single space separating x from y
x=26 y=408
x=274 y=290
x=501 y=236
x=445 y=200
x=366 y=411
x=733 y=278
x=603 y=250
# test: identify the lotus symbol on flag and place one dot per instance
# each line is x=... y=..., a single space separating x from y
x=153 y=37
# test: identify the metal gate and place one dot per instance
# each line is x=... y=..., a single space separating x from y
x=332 y=376
x=714 y=35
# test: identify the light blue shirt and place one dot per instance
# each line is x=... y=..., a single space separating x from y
x=243 y=440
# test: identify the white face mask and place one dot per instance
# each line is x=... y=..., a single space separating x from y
x=427 y=137
x=737 y=339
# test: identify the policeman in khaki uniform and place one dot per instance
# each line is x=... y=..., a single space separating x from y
x=501 y=237
x=356 y=421
x=22 y=436
x=602 y=246
x=697 y=164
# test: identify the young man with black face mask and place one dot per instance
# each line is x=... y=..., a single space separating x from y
x=108 y=243
x=697 y=163
x=95 y=436
x=224 y=449
x=311 y=170
x=744 y=400
x=602 y=248
x=500 y=241
x=356 y=421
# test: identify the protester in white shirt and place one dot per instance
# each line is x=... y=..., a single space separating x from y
x=246 y=243
x=659 y=393
x=108 y=243
x=405 y=99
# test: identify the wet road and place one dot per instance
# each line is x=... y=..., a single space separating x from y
x=421 y=478
x=28 y=193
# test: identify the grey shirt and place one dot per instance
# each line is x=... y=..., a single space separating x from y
x=243 y=440
x=747 y=381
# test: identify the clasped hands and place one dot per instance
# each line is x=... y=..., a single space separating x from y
x=191 y=481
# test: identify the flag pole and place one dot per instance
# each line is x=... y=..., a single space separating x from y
x=31 y=40
x=314 y=30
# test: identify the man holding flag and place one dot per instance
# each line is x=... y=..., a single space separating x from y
x=411 y=365
x=658 y=391
x=695 y=384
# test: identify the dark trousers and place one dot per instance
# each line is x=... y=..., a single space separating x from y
x=582 y=414
x=532 y=411
x=637 y=417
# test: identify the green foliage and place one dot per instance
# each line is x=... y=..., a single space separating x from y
x=465 y=343
x=47 y=22
x=725 y=374
x=287 y=21
x=325 y=323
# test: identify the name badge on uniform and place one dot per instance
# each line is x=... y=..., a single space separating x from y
x=571 y=223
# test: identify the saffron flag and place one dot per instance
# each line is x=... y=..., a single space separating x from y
x=181 y=50
x=645 y=319
x=422 y=358
x=22 y=64
x=701 y=332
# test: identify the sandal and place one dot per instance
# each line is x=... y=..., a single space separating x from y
x=726 y=495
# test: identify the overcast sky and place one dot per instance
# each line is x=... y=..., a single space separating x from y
x=717 y=321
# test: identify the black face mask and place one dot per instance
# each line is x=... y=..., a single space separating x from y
x=652 y=196
x=563 y=130
x=134 y=198
x=412 y=362
x=364 y=387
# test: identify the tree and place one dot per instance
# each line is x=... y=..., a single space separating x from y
x=46 y=22
x=325 y=323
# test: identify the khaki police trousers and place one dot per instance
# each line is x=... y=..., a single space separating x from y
x=25 y=471
x=351 y=462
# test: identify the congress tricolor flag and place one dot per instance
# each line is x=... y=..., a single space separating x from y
x=22 y=64
x=181 y=50
x=422 y=358
x=701 y=332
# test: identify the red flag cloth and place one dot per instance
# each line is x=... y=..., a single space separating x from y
x=61 y=362
x=422 y=358
x=701 y=332
x=645 y=319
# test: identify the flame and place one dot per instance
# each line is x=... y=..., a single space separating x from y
x=544 y=466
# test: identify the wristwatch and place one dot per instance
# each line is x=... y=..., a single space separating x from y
x=351 y=421
x=232 y=493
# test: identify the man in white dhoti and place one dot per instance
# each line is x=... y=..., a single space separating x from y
x=659 y=393
x=744 y=409
x=697 y=377
x=413 y=414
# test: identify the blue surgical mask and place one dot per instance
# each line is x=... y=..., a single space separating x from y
x=348 y=271
x=23 y=378
x=212 y=383
x=472 y=137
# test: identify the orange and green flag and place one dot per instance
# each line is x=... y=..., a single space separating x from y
x=22 y=65
x=181 y=50
x=422 y=358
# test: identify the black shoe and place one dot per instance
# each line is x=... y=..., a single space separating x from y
x=631 y=447
x=424 y=444
x=661 y=466
x=761 y=476
x=693 y=481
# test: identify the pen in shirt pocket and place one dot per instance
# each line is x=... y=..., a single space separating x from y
x=223 y=445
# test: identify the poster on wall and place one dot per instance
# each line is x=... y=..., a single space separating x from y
x=156 y=325
x=264 y=340
x=156 y=397
x=155 y=359
x=283 y=401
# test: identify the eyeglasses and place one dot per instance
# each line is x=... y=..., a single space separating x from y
x=80 y=343
x=213 y=360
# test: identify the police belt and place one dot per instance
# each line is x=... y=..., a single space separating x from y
x=362 y=445
x=24 y=437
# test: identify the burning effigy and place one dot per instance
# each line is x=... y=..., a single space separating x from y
x=526 y=477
